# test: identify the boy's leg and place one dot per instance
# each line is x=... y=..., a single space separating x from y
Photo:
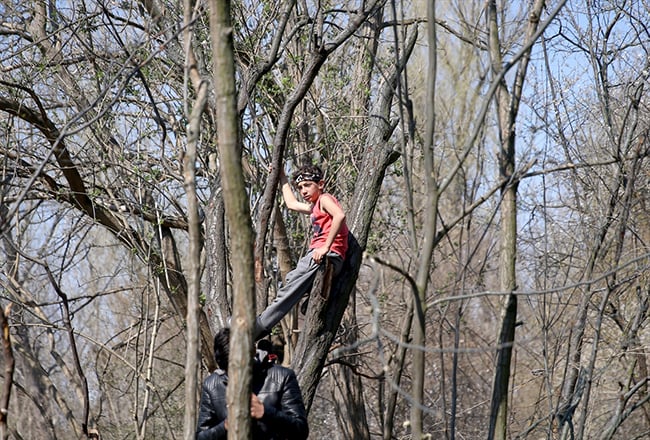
x=336 y=261
x=337 y=264
x=298 y=282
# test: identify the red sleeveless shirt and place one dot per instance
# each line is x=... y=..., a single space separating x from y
x=322 y=223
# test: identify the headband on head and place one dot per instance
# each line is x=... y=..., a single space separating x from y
x=306 y=175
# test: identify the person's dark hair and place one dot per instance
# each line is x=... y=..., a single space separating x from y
x=222 y=347
x=307 y=172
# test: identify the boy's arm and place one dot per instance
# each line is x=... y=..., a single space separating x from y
x=328 y=205
x=290 y=198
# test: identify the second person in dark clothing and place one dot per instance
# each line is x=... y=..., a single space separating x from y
x=277 y=408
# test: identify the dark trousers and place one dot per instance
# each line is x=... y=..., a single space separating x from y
x=298 y=283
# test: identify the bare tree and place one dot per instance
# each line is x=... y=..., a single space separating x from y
x=507 y=105
x=238 y=214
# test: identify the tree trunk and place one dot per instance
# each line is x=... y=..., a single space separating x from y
x=347 y=389
x=193 y=354
x=429 y=232
x=239 y=221
x=217 y=302
x=7 y=350
x=327 y=302
x=347 y=386
x=507 y=105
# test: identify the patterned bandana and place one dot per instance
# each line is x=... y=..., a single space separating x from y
x=314 y=177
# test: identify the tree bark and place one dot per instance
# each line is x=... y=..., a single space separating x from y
x=347 y=388
x=193 y=354
x=239 y=221
x=217 y=302
x=507 y=105
x=429 y=231
x=7 y=349
x=8 y=375
x=347 y=385
x=327 y=302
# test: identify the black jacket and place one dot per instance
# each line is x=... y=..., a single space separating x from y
x=284 y=417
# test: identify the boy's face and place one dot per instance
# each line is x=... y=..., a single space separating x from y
x=310 y=190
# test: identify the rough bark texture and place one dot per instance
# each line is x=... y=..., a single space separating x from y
x=193 y=335
x=239 y=220
x=217 y=303
x=327 y=302
x=8 y=355
x=507 y=105
x=347 y=388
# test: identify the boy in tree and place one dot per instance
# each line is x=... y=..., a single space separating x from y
x=330 y=239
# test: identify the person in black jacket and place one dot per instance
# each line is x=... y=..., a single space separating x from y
x=277 y=408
